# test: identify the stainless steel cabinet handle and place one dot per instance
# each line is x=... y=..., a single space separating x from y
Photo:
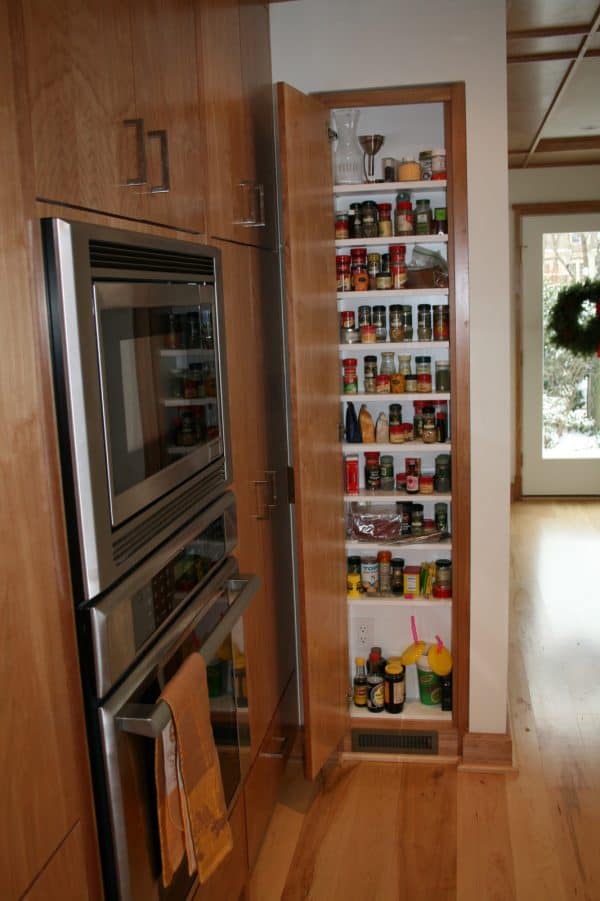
x=282 y=741
x=165 y=184
x=271 y=475
x=142 y=169
x=149 y=720
x=248 y=221
x=264 y=513
x=260 y=220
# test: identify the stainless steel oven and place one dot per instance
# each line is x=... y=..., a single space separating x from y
x=187 y=598
x=140 y=387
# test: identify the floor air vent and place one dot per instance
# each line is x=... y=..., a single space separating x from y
x=395 y=742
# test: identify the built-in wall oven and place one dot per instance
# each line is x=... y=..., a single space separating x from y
x=140 y=386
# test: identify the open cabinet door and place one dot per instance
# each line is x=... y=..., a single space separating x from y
x=308 y=228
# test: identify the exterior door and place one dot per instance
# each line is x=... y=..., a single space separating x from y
x=312 y=340
x=561 y=392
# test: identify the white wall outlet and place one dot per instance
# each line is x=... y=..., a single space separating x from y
x=364 y=633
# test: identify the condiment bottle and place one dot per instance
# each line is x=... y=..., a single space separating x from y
x=360 y=690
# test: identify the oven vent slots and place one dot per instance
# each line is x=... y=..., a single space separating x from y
x=111 y=255
x=395 y=742
x=174 y=513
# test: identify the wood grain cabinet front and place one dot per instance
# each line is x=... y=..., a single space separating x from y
x=114 y=103
x=235 y=73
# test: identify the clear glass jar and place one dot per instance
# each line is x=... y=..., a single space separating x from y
x=424 y=326
x=396 y=323
x=370 y=374
x=380 y=323
x=442 y=375
x=423 y=365
x=384 y=224
x=429 y=435
x=442 y=473
x=369 y=219
x=404 y=363
x=441 y=323
x=423 y=217
x=348 y=156
x=408 y=322
x=387 y=362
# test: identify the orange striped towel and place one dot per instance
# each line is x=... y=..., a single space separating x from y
x=192 y=814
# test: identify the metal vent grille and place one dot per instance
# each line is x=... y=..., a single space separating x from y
x=175 y=512
x=395 y=742
x=111 y=255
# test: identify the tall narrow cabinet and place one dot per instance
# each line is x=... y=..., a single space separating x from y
x=411 y=119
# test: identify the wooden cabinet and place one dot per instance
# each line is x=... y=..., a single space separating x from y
x=316 y=411
x=64 y=875
x=114 y=105
x=235 y=72
x=257 y=417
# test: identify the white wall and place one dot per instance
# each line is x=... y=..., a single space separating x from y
x=560 y=184
x=340 y=44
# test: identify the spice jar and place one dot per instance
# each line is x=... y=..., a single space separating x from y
x=386 y=465
x=373 y=267
x=342 y=266
x=342 y=226
x=416 y=524
x=384 y=225
x=360 y=277
x=372 y=471
x=418 y=419
x=383 y=282
x=397 y=383
x=369 y=219
x=408 y=170
x=442 y=473
x=429 y=435
x=367 y=334
x=404 y=220
x=350 y=378
x=380 y=323
x=424 y=327
x=442 y=586
x=384 y=558
x=395 y=424
x=174 y=334
x=387 y=362
x=441 y=323
x=423 y=365
x=413 y=472
x=440 y=221
x=426 y=484
x=442 y=375
x=441 y=425
x=408 y=322
x=441 y=516
x=422 y=219
x=404 y=510
x=355 y=223
x=389 y=168
x=397 y=575
x=369 y=574
x=404 y=364
x=370 y=374
x=425 y=164
x=438 y=163
x=398 y=274
x=396 y=323
x=382 y=384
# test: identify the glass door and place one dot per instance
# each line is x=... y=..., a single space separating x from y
x=160 y=387
x=561 y=390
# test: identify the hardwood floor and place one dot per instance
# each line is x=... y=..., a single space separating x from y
x=398 y=831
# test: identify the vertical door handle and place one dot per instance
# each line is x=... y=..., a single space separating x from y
x=271 y=475
x=165 y=184
x=262 y=509
x=142 y=172
x=260 y=219
x=249 y=220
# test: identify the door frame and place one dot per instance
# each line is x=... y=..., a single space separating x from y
x=452 y=96
x=521 y=211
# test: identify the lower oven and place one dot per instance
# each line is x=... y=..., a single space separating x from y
x=128 y=714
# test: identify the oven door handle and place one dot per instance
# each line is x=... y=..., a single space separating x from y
x=149 y=720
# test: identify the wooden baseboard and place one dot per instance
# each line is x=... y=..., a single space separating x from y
x=485 y=752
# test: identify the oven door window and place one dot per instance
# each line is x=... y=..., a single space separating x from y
x=160 y=387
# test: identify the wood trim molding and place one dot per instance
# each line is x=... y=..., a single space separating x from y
x=551 y=31
x=485 y=752
x=391 y=96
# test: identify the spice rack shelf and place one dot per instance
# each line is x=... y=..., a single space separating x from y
x=385 y=242
x=387 y=497
x=413 y=446
x=188 y=401
x=358 y=547
x=391 y=187
x=391 y=601
x=413 y=710
x=404 y=396
x=400 y=292
x=397 y=346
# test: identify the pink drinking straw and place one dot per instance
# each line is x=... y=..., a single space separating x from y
x=440 y=644
x=414 y=629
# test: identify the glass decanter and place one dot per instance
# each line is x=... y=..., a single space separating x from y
x=348 y=157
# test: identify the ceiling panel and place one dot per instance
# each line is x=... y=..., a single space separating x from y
x=540 y=13
x=575 y=115
x=531 y=88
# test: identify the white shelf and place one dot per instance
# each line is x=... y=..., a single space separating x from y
x=383 y=396
x=358 y=547
x=176 y=450
x=413 y=710
x=188 y=401
x=391 y=187
x=373 y=600
x=398 y=346
x=397 y=239
x=409 y=447
x=386 y=497
x=399 y=292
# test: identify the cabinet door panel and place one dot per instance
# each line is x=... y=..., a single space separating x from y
x=79 y=100
x=313 y=330
x=166 y=92
x=64 y=876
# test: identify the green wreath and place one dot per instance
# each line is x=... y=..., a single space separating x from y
x=567 y=328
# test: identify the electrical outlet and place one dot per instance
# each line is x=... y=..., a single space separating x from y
x=364 y=629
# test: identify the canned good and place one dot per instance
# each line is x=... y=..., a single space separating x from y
x=369 y=574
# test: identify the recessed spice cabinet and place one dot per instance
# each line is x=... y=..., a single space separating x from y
x=330 y=621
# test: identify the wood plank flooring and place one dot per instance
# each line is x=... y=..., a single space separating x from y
x=399 y=831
